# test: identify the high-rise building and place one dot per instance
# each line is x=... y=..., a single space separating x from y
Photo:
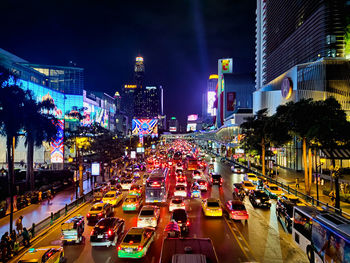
x=173 y=125
x=302 y=51
x=149 y=102
x=295 y=32
x=139 y=72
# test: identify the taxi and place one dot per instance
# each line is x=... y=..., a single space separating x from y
x=252 y=178
x=53 y=254
x=98 y=211
x=248 y=186
x=292 y=198
x=132 y=203
x=136 y=242
x=135 y=189
x=212 y=207
x=272 y=190
x=112 y=197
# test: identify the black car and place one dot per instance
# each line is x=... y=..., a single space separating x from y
x=259 y=198
x=181 y=218
x=216 y=179
x=284 y=212
x=107 y=231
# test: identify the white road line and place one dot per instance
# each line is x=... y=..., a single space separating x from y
x=153 y=259
x=108 y=259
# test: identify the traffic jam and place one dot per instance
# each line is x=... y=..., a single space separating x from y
x=167 y=187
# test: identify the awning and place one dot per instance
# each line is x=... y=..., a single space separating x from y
x=339 y=153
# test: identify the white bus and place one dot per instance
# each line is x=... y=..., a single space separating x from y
x=323 y=236
x=157 y=186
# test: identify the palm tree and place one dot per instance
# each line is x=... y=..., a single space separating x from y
x=12 y=101
x=39 y=126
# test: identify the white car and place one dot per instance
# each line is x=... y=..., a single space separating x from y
x=202 y=184
x=237 y=169
x=252 y=178
x=196 y=175
x=148 y=216
x=180 y=190
x=177 y=202
x=126 y=184
x=181 y=181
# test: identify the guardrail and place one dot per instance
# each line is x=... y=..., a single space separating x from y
x=309 y=199
x=40 y=227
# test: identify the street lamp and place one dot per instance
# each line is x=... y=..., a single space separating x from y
x=318 y=165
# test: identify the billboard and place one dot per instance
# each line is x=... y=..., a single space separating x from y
x=94 y=114
x=211 y=100
x=191 y=126
x=192 y=117
x=230 y=101
x=145 y=127
x=172 y=129
x=95 y=169
x=57 y=146
x=225 y=65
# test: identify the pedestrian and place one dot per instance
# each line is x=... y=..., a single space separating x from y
x=19 y=225
x=26 y=237
x=332 y=197
x=347 y=188
x=72 y=197
x=40 y=196
x=48 y=196
x=342 y=186
x=297 y=183
x=14 y=243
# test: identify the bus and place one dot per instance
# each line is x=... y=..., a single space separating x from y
x=324 y=236
x=157 y=186
x=192 y=164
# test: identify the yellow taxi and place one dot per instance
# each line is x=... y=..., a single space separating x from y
x=112 y=197
x=272 y=190
x=252 y=177
x=212 y=207
x=247 y=186
x=52 y=254
x=136 y=242
x=294 y=199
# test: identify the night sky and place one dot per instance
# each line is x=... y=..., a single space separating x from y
x=180 y=41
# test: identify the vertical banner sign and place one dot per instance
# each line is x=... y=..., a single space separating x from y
x=57 y=146
x=95 y=169
x=231 y=101
x=226 y=65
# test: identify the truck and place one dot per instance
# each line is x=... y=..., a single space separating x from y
x=73 y=229
x=195 y=250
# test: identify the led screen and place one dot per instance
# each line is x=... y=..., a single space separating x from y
x=145 y=127
x=211 y=100
x=95 y=114
x=191 y=126
x=192 y=117
x=172 y=129
x=57 y=146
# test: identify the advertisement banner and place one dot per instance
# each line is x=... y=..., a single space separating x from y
x=95 y=169
x=225 y=65
x=145 y=127
x=230 y=101
x=57 y=147
x=211 y=100
x=192 y=117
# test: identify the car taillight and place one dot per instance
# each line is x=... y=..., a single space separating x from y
x=187 y=223
x=183 y=204
x=220 y=179
x=119 y=248
x=139 y=248
x=100 y=214
x=110 y=232
x=92 y=232
x=88 y=215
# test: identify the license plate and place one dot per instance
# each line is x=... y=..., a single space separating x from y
x=99 y=236
x=129 y=250
x=156 y=201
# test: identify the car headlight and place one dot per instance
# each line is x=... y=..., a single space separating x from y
x=258 y=201
x=270 y=201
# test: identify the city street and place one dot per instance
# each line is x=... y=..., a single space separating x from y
x=261 y=239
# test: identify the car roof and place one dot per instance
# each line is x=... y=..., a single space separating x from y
x=275 y=185
x=98 y=205
x=247 y=182
x=236 y=202
x=136 y=231
x=112 y=192
x=149 y=207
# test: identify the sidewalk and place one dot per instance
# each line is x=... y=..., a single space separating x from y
x=37 y=212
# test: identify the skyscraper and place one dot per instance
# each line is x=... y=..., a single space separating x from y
x=148 y=102
x=139 y=72
x=302 y=51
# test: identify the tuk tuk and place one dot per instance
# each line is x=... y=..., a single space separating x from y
x=73 y=229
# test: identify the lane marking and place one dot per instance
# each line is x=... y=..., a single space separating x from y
x=153 y=259
x=108 y=259
x=244 y=249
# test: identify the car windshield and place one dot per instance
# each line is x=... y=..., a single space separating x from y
x=179 y=215
x=213 y=204
x=238 y=186
x=136 y=238
x=239 y=207
x=251 y=176
x=176 y=201
x=110 y=195
x=147 y=212
x=216 y=176
x=180 y=188
x=260 y=194
x=196 y=172
x=274 y=188
x=96 y=208
x=104 y=222
x=130 y=199
x=248 y=184
x=126 y=181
